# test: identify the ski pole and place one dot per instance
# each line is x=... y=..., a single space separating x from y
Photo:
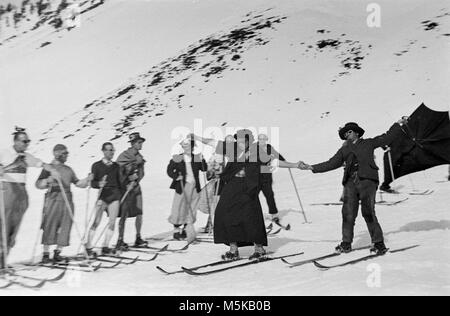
x=391 y=165
x=298 y=197
x=70 y=212
x=4 y=244
x=86 y=218
x=107 y=224
x=94 y=210
x=33 y=254
x=207 y=197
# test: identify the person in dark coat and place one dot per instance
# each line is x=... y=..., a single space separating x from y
x=185 y=168
x=360 y=181
x=239 y=220
x=266 y=149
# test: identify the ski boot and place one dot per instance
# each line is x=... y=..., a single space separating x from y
x=387 y=189
x=208 y=229
x=379 y=249
x=275 y=218
x=57 y=258
x=177 y=236
x=183 y=234
x=343 y=247
x=106 y=251
x=259 y=254
x=140 y=243
x=91 y=253
x=230 y=256
x=122 y=246
x=46 y=258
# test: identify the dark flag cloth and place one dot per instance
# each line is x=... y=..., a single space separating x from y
x=424 y=143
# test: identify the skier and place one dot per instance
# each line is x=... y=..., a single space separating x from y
x=132 y=164
x=264 y=148
x=184 y=168
x=239 y=220
x=13 y=168
x=57 y=222
x=360 y=181
x=106 y=176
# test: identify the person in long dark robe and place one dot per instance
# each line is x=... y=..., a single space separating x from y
x=239 y=220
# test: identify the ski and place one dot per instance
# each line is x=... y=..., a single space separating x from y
x=391 y=203
x=426 y=192
x=149 y=249
x=385 y=203
x=211 y=264
x=274 y=233
x=72 y=267
x=158 y=250
x=287 y=227
x=361 y=259
x=57 y=278
x=252 y=262
x=137 y=259
x=114 y=263
x=24 y=285
x=331 y=255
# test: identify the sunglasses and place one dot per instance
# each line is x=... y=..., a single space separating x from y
x=111 y=150
x=26 y=141
x=348 y=133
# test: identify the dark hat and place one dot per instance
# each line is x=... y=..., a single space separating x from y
x=134 y=137
x=245 y=133
x=351 y=127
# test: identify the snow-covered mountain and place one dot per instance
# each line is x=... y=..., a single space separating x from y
x=295 y=69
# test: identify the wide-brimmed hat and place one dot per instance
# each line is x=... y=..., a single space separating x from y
x=134 y=137
x=351 y=127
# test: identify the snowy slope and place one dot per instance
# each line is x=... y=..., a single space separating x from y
x=297 y=69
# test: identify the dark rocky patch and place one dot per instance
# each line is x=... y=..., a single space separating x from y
x=45 y=44
x=210 y=58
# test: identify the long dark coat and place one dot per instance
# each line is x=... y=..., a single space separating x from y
x=239 y=217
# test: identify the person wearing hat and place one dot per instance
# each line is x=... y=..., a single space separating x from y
x=185 y=168
x=239 y=220
x=360 y=181
x=132 y=164
x=14 y=163
x=267 y=179
x=57 y=222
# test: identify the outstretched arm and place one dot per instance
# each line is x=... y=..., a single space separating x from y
x=335 y=162
x=387 y=138
x=207 y=141
x=288 y=165
x=84 y=183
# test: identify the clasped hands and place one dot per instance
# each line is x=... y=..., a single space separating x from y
x=304 y=166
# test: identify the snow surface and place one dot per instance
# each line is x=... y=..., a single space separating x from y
x=282 y=79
